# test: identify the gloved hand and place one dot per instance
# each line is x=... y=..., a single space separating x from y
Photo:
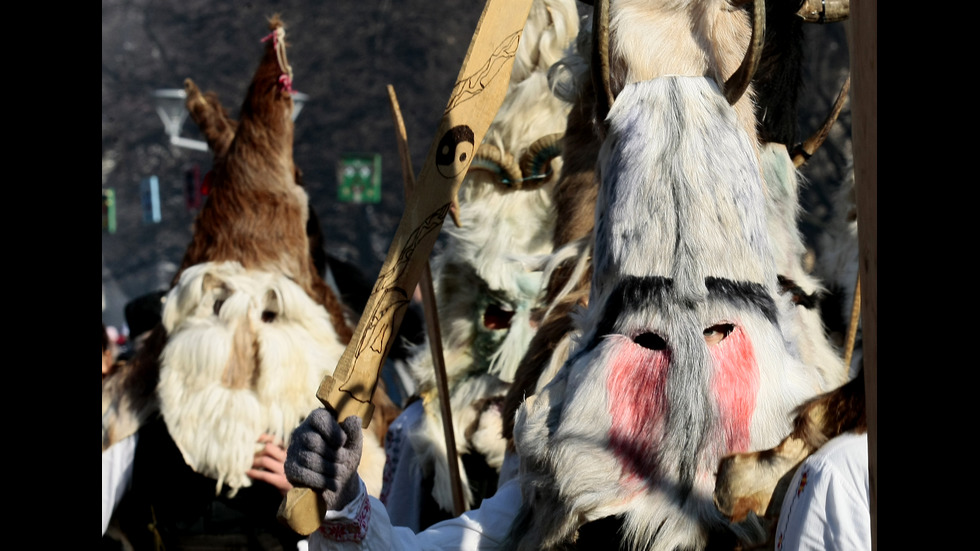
x=323 y=455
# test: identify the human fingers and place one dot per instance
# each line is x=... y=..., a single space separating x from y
x=266 y=438
x=268 y=463
x=277 y=480
x=275 y=451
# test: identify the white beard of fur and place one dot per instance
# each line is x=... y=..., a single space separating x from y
x=670 y=207
x=469 y=386
x=217 y=428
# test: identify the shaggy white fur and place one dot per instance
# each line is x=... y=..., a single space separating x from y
x=690 y=221
x=805 y=331
x=486 y=265
x=245 y=353
x=680 y=37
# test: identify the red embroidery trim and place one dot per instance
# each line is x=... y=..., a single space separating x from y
x=353 y=530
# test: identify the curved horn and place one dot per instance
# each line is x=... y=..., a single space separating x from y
x=738 y=83
x=824 y=11
x=601 y=76
x=536 y=161
x=802 y=152
x=491 y=159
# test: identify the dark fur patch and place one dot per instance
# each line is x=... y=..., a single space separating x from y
x=800 y=297
x=631 y=291
x=779 y=78
x=652 y=292
x=743 y=294
x=843 y=411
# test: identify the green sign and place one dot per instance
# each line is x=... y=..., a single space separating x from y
x=109 y=210
x=359 y=178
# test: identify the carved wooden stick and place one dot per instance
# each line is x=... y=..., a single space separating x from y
x=431 y=320
x=475 y=99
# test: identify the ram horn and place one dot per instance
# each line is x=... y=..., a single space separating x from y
x=536 y=161
x=802 y=152
x=491 y=159
x=738 y=83
x=601 y=69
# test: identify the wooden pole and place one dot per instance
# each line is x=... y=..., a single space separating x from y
x=432 y=327
x=473 y=103
x=864 y=72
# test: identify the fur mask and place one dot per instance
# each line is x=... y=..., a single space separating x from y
x=681 y=359
x=245 y=347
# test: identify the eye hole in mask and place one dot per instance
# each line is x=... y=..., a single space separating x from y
x=651 y=341
x=495 y=317
x=717 y=333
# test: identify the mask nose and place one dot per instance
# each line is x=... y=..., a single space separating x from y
x=242 y=369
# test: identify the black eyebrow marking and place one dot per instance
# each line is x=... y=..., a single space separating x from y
x=742 y=294
x=632 y=291
x=652 y=291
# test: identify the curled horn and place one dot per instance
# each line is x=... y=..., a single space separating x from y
x=824 y=11
x=802 y=152
x=601 y=69
x=536 y=161
x=491 y=159
x=738 y=83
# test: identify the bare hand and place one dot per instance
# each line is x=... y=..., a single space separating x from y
x=268 y=464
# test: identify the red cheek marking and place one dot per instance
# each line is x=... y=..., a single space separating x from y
x=735 y=385
x=637 y=405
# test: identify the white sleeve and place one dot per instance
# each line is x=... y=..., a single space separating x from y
x=364 y=524
x=827 y=504
x=117 y=470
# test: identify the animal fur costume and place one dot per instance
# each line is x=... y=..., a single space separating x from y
x=249 y=329
x=682 y=358
x=775 y=86
x=486 y=289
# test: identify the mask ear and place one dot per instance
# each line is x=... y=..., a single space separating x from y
x=185 y=296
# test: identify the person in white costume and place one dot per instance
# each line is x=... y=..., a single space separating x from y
x=828 y=503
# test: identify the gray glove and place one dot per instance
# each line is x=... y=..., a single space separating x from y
x=323 y=455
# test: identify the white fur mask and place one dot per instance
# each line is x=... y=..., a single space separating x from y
x=681 y=359
x=246 y=351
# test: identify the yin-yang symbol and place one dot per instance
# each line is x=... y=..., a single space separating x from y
x=455 y=151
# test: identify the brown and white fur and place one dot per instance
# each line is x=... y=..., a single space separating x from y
x=249 y=327
x=245 y=348
x=756 y=482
